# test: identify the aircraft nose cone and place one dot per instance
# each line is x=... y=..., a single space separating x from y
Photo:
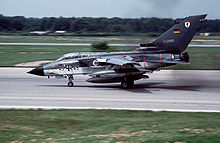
x=37 y=71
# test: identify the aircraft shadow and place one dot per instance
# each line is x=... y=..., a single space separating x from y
x=148 y=87
x=141 y=88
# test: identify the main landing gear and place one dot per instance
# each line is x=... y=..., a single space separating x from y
x=127 y=83
x=70 y=83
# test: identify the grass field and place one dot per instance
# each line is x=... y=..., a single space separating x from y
x=11 y=55
x=75 y=39
x=206 y=58
x=200 y=58
x=91 y=39
x=108 y=126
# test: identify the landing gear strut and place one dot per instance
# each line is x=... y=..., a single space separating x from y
x=127 y=83
x=70 y=83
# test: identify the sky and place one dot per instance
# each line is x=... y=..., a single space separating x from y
x=110 y=8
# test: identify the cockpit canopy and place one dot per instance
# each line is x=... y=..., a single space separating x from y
x=74 y=56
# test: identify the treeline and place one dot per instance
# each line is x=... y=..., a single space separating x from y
x=85 y=24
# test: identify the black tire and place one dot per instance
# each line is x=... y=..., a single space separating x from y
x=70 y=84
x=124 y=84
x=127 y=83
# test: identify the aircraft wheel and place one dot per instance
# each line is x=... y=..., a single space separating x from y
x=129 y=83
x=124 y=84
x=70 y=84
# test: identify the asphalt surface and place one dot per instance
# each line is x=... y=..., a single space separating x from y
x=191 y=91
x=88 y=44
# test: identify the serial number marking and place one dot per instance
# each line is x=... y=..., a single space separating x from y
x=169 y=41
x=68 y=67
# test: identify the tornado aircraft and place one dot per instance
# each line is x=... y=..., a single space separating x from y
x=128 y=66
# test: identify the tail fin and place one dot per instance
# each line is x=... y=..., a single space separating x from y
x=177 y=38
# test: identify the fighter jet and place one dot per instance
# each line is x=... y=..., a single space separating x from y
x=128 y=66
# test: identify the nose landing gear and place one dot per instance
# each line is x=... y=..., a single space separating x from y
x=70 y=83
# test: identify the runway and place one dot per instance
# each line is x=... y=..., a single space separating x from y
x=167 y=90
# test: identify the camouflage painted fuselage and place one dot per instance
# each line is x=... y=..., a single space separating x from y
x=88 y=63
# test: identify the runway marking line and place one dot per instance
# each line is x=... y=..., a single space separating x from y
x=99 y=108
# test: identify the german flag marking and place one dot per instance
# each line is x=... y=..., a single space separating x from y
x=176 y=31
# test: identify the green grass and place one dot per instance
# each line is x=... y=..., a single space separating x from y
x=91 y=39
x=108 y=126
x=41 y=39
x=11 y=55
x=201 y=58
x=206 y=58
x=207 y=37
x=75 y=39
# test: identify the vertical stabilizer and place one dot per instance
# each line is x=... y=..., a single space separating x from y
x=177 y=38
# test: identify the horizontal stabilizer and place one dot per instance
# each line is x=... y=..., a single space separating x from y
x=169 y=62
